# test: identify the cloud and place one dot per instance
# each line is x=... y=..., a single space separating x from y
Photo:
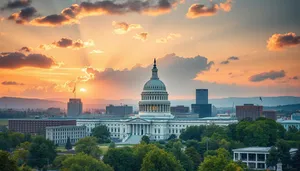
x=272 y=75
x=233 y=58
x=68 y=43
x=75 y=12
x=141 y=36
x=199 y=10
x=24 y=16
x=8 y=83
x=17 y=4
x=171 y=36
x=96 y=52
x=281 y=41
x=25 y=49
x=294 y=78
x=15 y=60
x=225 y=62
x=123 y=27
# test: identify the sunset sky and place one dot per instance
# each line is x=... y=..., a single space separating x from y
x=235 y=48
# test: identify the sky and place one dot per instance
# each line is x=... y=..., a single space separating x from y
x=235 y=48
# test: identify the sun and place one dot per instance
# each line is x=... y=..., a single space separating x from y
x=82 y=90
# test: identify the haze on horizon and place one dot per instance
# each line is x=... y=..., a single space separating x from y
x=235 y=48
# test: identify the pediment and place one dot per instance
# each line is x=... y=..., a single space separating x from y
x=138 y=120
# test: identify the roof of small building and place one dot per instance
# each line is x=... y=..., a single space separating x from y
x=258 y=149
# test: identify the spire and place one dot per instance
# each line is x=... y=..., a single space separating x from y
x=154 y=71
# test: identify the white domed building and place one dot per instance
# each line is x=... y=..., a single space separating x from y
x=154 y=118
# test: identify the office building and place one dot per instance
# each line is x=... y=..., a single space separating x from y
x=36 y=126
x=119 y=110
x=59 y=134
x=201 y=96
x=53 y=111
x=179 y=109
x=295 y=116
x=248 y=111
x=270 y=114
x=74 y=107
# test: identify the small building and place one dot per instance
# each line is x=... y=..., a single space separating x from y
x=270 y=114
x=249 y=111
x=180 y=109
x=59 y=134
x=74 y=107
x=53 y=111
x=254 y=157
x=295 y=116
x=288 y=123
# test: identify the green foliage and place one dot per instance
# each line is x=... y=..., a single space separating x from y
x=296 y=160
x=57 y=163
x=68 y=144
x=192 y=133
x=21 y=155
x=160 y=160
x=192 y=153
x=281 y=151
x=140 y=151
x=172 y=137
x=83 y=162
x=185 y=161
x=101 y=133
x=145 y=139
x=112 y=145
x=10 y=139
x=88 y=145
x=120 y=159
x=41 y=152
x=219 y=162
x=273 y=157
x=6 y=162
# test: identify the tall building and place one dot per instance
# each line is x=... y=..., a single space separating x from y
x=202 y=107
x=119 y=110
x=249 y=111
x=201 y=96
x=36 y=126
x=180 y=109
x=74 y=107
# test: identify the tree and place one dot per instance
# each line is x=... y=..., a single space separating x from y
x=192 y=133
x=57 y=163
x=84 y=162
x=160 y=160
x=41 y=152
x=145 y=139
x=6 y=162
x=88 y=145
x=172 y=137
x=232 y=166
x=284 y=155
x=273 y=157
x=101 y=133
x=140 y=151
x=120 y=159
x=112 y=145
x=68 y=144
x=296 y=160
x=192 y=153
x=185 y=161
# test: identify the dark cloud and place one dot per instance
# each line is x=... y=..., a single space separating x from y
x=272 y=75
x=224 y=62
x=217 y=70
x=233 y=58
x=68 y=43
x=14 y=60
x=73 y=13
x=199 y=10
x=295 y=78
x=25 y=49
x=280 y=41
x=23 y=16
x=17 y=4
x=141 y=36
x=8 y=83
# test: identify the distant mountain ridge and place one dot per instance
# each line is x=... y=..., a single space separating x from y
x=23 y=103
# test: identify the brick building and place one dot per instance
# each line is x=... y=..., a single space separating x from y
x=249 y=111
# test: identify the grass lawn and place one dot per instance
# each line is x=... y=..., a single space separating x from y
x=61 y=148
x=103 y=148
x=3 y=122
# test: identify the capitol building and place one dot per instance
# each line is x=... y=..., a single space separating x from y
x=154 y=119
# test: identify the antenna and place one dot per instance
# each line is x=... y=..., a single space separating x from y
x=74 y=91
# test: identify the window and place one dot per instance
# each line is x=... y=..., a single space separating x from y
x=260 y=165
x=252 y=157
x=260 y=157
x=243 y=156
x=236 y=156
x=252 y=165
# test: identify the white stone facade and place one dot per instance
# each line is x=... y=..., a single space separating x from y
x=59 y=134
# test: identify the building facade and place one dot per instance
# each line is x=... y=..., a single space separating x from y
x=289 y=123
x=119 y=110
x=60 y=134
x=180 y=109
x=270 y=114
x=201 y=96
x=154 y=119
x=36 y=126
x=74 y=107
x=202 y=107
x=249 y=111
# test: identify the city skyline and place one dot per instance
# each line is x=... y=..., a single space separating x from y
x=233 y=48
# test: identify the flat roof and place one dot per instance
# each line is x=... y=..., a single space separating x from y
x=64 y=126
x=258 y=149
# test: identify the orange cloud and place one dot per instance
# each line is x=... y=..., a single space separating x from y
x=171 y=36
x=68 y=43
x=199 y=10
x=123 y=27
x=280 y=41
x=23 y=16
x=141 y=36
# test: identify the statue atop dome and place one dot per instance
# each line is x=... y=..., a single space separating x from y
x=154 y=71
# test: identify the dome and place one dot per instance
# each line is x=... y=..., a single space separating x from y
x=154 y=85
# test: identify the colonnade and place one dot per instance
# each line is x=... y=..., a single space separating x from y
x=155 y=108
x=140 y=129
